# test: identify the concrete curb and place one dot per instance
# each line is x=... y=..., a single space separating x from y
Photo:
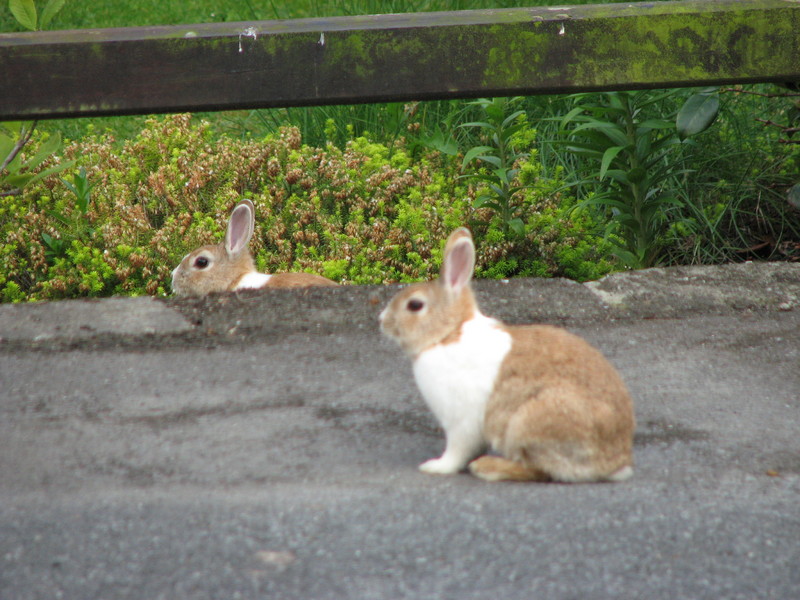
x=70 y=319
x=652 y=293
x=679 y=291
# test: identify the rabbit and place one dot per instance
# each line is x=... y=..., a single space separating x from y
x=229 y=266
x=548 y=404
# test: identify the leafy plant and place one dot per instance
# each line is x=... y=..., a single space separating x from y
x=499 y=157
x=82 y=190
x=697 y=113
x=72 y=225
x=740 y=191
x=637 y=163
x=18 y=170
x=25 y=13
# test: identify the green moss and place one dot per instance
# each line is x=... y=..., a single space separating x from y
x=352 y=51
x=605 y=45
x=516 y=53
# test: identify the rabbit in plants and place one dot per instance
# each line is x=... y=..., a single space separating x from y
x=546 y=402
x=229 y=266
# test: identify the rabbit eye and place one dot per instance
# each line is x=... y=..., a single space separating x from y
x=201 y=262
x=415 y=305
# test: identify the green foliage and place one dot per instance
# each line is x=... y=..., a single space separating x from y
x=18 y=169
x=743 y=170
x=557 y=240
x=636 y=147
x=26 y=14
x=697 y=113
x=500 y=156
x=365 y=213
x=72 y=226
x=135 y=13
x=81 y=188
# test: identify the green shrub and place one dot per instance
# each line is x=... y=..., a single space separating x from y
x=359 y=214
x=558 y=241
x=744 y=167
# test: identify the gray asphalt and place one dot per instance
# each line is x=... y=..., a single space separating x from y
x=265 y=445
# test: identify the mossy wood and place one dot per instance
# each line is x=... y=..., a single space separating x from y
x=398 y=57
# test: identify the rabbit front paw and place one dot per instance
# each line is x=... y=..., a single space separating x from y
x=441 y=466
x=444 y=465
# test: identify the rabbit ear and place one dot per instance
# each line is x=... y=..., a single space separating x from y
x=240 y=228
x=459 y=260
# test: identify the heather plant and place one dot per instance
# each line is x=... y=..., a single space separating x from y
x=555 y=238
x=364 y=213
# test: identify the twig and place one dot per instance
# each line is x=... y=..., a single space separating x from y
x=785 y=129
x=24 y=138
x=763 y=95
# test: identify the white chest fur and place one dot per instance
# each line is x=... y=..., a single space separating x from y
x=252 y=280
x=456 y=379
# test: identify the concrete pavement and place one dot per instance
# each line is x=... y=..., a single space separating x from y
x=265 y=445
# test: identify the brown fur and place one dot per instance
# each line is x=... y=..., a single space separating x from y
x=222 y=274
x=440 y=323
x=295 y=280
x=445 y=311
x=498 y=468
x=558 y=411
x=560 y=407
x=231 y=261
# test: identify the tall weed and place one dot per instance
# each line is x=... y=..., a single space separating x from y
x=633 y=146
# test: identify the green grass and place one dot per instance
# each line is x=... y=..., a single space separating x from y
x=137 y=13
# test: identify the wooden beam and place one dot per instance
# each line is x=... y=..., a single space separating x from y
x=398 y=57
